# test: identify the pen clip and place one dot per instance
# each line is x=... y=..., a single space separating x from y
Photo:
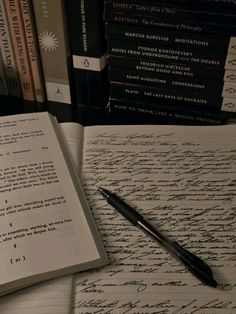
x=197 y=261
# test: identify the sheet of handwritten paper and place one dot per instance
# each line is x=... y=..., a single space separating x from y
x=51 y=297
x=183 y=179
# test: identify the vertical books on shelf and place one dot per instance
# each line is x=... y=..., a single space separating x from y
x=20 y=48
x=6 y=48
x=35 y=45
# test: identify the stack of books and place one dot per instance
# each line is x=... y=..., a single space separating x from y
x=173 y=59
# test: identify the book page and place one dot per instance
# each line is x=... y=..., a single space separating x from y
x=51 y=297
x=182 y=179
x=45 y=230
x=73 y=136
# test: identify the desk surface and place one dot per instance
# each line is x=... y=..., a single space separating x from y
x=75 y=113
x=88 y=115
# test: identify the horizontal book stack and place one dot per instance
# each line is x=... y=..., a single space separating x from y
x=173 y=59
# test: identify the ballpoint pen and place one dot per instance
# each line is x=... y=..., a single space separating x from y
x=193 y=263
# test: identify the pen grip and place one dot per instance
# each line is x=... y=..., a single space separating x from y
x=127 y=211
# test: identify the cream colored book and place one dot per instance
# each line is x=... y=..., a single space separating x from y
x=33 y=49
x=51 y=25
x=46 y=227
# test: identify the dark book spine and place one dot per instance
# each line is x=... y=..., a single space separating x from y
x=86 y=27
x=141 y=93
x=166 y=38
x=174 y=69
x=89 y=49
x=149 y=112
x=211 y=5
x=170 y=54
x=179 y=25
x=167 y=81
x=91 y=87
x=171 y=10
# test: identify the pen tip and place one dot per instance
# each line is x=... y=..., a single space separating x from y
x=104 y=192
x=213 y=283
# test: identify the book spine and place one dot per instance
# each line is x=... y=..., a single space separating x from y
x=86 y=20
x=211 y=5
x=164 y=114
x=171 y=10
x=141 y=93
x=170 y=24
x=183 y=55
x=20 y=48
x=91 y=87
x=205 y=86
x=34 y=56
x=3 y=80
x=89 y=50
x=165 y=38
x=214 y=6
x=54 y=48
x=7 y=54
x=174 y=69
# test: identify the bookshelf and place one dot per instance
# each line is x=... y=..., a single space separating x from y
x=129 y=102
x=73 y=113
x=63 y=112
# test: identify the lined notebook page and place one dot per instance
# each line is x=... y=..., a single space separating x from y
x=183 y=179
x=51 y=297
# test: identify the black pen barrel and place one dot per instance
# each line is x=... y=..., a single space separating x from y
x=193 y=263
x=127 y=211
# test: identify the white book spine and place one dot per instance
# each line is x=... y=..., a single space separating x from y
x=53 y=42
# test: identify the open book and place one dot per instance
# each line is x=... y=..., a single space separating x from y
x=181 y=178
x=46 y=226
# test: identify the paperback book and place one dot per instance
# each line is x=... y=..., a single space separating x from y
x=47 y=229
